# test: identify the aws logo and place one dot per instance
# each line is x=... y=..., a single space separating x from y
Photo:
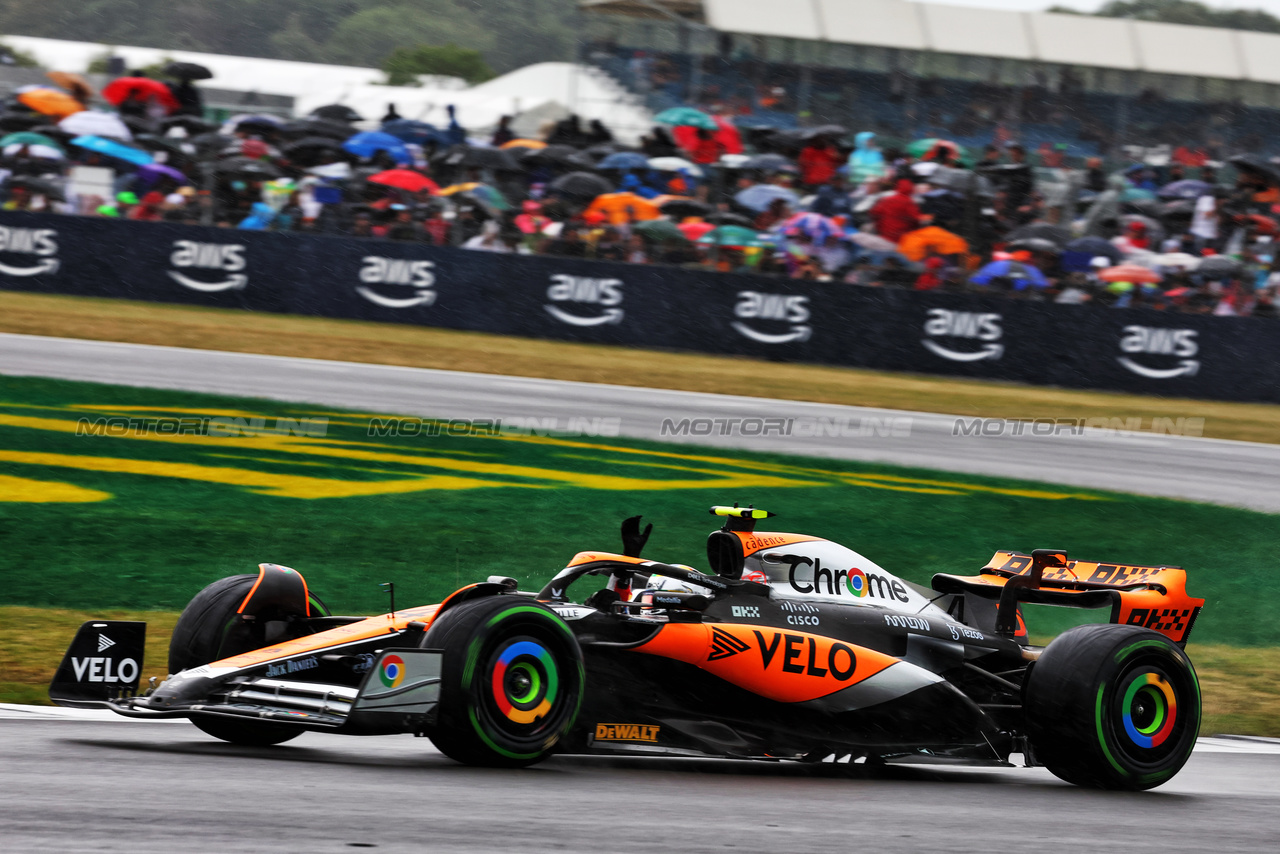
x=41 y=242
x=401 y=273
x=220 y=257
x=783 y=308
x=853 y=582
x=1179 y=343
x=971 y=325
x=585 y=290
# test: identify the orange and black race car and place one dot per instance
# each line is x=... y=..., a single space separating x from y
x=792 y=647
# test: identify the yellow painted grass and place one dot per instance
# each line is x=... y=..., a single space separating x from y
x=416 y=346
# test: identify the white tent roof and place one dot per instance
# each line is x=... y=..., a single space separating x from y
x=1083 y=40
x=978 y=32
x=886 y=23
x=796 y=19
x=1195 y=51
x=1260 y=56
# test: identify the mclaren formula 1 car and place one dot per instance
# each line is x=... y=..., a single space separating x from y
x=791 y=647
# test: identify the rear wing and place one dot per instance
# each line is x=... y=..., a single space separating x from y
x=1152 y=596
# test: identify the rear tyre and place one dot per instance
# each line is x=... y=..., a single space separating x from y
x=209 y=630
x=511 y=681
x=1113 y=707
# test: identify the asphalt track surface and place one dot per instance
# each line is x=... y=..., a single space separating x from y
x=1242 y=474
x=92 y=784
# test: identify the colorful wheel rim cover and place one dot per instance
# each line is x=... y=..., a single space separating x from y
x=856 y=582
x=1152 y=690
x=392 y=673
x=524 y=700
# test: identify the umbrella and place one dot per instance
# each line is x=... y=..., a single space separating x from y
x=24 y=120
x=686 y=117
x=582 y=185
x=921 y=147
x=1261 y=224
x=1136 y=194
x=33 y=150
x=371 y=142
x=659 y=230
x=337 y=113
x=680 y=207
x=768 y=163
x=139 y=89
x=313 y=143
x=695 y=230
x=313 y=127
x=1095 y=246
x=732 y=236
x=963 y=181
x=1053 y=233
x=29 y=138
x=73 y=83
x=1218 y=265
x=482 y=193
x=556 y=155
x=176 y=147
x=37 y=187
x=624 y=207
x=405 y=179
x=872 y=242
x=725 y=218
x=1010 y=270
x=255 y=148
x=917 y=245
x=1179 y=260
x=816 y=226
x=191 y=124
x=481 y=158
x=760 y=196
x=114 y=148
x=1188 y=189
x=1130 y=273
x=624 y=160
x=524 y=143
x=187 y=71
x=733 y=161
x=412 y=130
x=256 y=123
x=150 y=173
x=1036 y=244
x=1257 y=165
x=50 y=102
x=826 y=130
x=94 y=123
x=1178 y=208
x=258 y=170
x=674 y=164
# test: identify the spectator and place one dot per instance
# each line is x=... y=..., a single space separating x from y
x=818 y=162
x=897 y=213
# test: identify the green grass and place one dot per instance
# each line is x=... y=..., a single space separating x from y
x=450 y=510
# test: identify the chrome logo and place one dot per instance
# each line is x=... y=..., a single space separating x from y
x=392 y=673
x=1151 y=699
x=857 y=582
x=525 y=682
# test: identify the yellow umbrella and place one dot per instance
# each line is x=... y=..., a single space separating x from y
x=524 y=143
x=51 y=102
x=73 y=83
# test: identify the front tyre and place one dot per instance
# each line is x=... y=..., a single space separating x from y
x=1113 y=707
x=511 y=681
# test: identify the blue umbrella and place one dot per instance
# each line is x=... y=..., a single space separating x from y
x=371 y=142
x=1023 y=275
x=1084 y=249
x=412 y=130
x=625 y=160
x=1188 y=189
x=760 y=196
x=114 y=148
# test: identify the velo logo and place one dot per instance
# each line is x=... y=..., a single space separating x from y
x=223 y=258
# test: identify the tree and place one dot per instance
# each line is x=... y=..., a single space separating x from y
x=15 y=58
x=1184 y=12
x=404 y=64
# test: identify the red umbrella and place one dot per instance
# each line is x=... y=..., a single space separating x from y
x=405 y=179
x=728 y=136
x=139 y=89
x=695 y=229
x=1262 y=224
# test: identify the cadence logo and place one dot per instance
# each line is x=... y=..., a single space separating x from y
x=969 y=325
x=221 y=257
x=586 y=291
x=40 y=242
x=1178 y=343
x=411 y=281
x=784 y=308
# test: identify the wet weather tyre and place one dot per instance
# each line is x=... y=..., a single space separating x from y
x=511 y=681
x=208 y=630
x=1113 y=707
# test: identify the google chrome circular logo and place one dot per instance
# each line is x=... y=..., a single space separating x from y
x=857 y=582
x=392 y=673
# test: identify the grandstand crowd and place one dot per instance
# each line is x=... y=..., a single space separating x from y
x=828 y=203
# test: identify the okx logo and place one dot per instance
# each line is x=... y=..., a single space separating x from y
x=600 y=298
x=36 y=247
x=1178 y=344
x=402 y=282
x=224 y=261
x=790 y=310
x=960 y=331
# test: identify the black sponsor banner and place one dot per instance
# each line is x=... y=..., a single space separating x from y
x=1144 y=351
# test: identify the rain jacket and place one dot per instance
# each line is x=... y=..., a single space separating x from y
x=259 y=218
x=865 y=162
x=896 y=214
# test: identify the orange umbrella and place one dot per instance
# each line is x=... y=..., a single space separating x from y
x=918 y=244
x=524 y=143
x=73 y=83
x=622 y=208
x=51 y=102
x=1130 y=273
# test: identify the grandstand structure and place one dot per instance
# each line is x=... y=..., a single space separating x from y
x=909 y=70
